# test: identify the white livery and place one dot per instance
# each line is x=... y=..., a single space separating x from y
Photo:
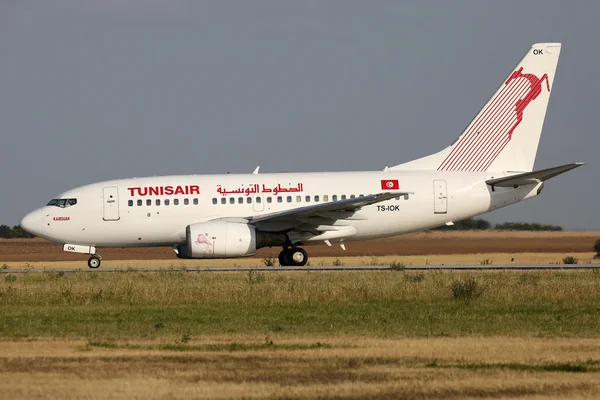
x=489 y=166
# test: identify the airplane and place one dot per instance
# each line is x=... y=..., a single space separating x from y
x=489 y=166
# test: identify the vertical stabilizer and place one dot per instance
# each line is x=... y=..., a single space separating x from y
x=504 y=136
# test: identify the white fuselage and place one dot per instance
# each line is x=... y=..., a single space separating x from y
x=138 y=214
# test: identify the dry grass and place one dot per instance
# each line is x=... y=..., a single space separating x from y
x=350 y=367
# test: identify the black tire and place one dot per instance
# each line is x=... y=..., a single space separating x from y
x=283 y=258
x=297 y=257
x=94 y=262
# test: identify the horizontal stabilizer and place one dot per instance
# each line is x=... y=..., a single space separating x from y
x=532 y=177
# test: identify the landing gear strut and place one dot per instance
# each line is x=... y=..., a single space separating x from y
x=294 y=257
x=94 y=261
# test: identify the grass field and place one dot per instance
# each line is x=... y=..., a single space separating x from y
x=350 y=335
x=301 y=334
x=416 y=304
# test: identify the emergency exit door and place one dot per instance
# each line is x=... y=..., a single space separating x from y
x=440 y=197
x=111 y=203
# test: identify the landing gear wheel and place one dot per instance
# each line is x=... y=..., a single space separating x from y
x=283 y=257
x=297 y=257
x=94 y=262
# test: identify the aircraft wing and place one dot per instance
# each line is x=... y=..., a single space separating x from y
x=532 y=177
x=327 y=210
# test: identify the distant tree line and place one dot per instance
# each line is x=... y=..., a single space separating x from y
x=482 y=224
x=16 y=231
x=525 y=226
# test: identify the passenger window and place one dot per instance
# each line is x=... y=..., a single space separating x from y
x=167 y=202
x=258 y=200
x=158 y=202
x=334 y=197
x=361 y=195
x=231 y=200
x=214 y=200
x=240 y=200
x=269 y=199
x=298 y=199
x=186 y=202
x=249 y=200
x=195 y=202
x=130 y=203
x=317 y=198
x=352 y=196
x=325 y=197
x=279 y=199
x=223 y=200
x=176 y=202
x=139 y=202
x=289 y=199
x=343 y=197
x=307 y=198
x=148 y=202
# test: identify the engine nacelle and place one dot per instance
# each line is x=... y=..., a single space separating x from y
x=218 y=239
x=223 y=239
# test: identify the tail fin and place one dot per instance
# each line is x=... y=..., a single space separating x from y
x=504 y=136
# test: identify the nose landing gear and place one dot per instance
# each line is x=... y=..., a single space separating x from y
x=294 y=257
x=93 y=262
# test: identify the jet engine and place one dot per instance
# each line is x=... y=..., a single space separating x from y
x=224 y=239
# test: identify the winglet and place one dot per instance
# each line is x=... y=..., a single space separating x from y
x=255 y=172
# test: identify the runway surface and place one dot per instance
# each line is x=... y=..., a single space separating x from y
x=316 y=269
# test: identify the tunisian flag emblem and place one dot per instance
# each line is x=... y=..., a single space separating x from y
x=390 y=184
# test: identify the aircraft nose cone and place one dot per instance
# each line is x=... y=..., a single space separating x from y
x=32 y=222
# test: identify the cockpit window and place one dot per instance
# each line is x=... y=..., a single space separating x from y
x=62 y=203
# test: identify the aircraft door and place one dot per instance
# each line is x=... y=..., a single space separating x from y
x=440 y=196
x=258 y=202
x=111 y=203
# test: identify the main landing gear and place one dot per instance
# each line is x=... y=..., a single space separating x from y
x=293 y=257
x=94 y=261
